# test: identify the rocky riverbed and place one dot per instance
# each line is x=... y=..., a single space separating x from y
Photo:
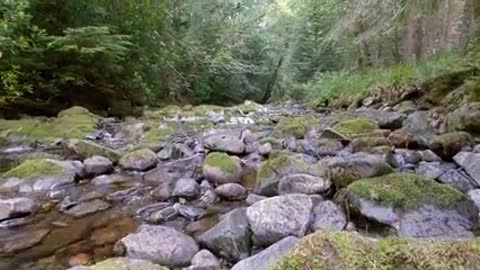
x=246 y=187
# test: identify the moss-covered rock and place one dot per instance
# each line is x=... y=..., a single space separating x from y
x=222 y=168
x=34 y=168
x=465 y=118
x=295 y=126
x=158 y=134
x=355 y=126
x=270 y=172
x=160 y=113
x=139 y=160
x=366 y=144
x=72 y=123
x=122 y=264
x=85 y=149
x=448 y=145
x=345 y=251
x=405 y=191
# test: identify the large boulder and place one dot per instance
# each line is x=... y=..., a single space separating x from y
x=278 y=217
x=385 y=119
x=85 y=149
x=186 y=187
x=230 y=143
x=327 y=216
x=450 y=144
x=229 y=238
x=231 y=191
x=470 y=162
x=344 y=170
x=414 y=206
x=97 y=165
x=465 y=118
x=204 y=260
x=303 y=183
x=270 y=257
x=295 y=126
x=139 y=160
x=419 y=124
x=163 y=245
x=335 y=250
x=221 y=168
x=40 y=175
x=121 y=264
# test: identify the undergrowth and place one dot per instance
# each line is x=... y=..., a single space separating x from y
x=355 y=84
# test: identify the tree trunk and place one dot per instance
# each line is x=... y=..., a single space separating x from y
x=269 y=89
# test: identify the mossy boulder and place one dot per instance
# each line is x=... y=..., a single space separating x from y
x=355 y=126
x=343 y=171
x=414 y=206
x=345 y=251
x=295 y=126
x=405 y=191
x=75 y=122
x=222 y=168
x=121 y=264
x=160 y=113
x=366 y=144
x=465 y=118
x=40 y=174
x=449 y=144
x=279 y=165
x=158 y=134
x=139 y=160
x=85 y=149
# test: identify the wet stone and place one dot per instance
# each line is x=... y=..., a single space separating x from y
x=87 y=208
x=21 y=240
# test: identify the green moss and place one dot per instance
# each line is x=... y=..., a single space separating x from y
x=405 y=191
x=346 y=251
x=356 y=126
x=86 y=149
x=159 y=113
x=71 y=123
x=278 y=163
x=33 y=168
x=449 y=144
x=123 y=264
x=203 y=109
x=296 y=126
x=159 y=134
x=222 y=161
x=276 y=143
x=366 y=143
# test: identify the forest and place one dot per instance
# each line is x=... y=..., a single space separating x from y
x=114 y=56
x=239 y=134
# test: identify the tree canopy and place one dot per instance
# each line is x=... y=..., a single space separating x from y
x=115 y=55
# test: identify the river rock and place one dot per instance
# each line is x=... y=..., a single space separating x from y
x=221 y=168
x=270 y=257
x=465 y=118
x=87 y=208
x=385 y=119
x=40 y=175
x=448 y=145
x=177 y=249
x=470 y=162
x=327 y=216
x=229 y=143
x=231 y=191
x=229 y=238
x=419 y=124
x=204 y=260
x=139 y=160
x=21 y=240
x=121 y=264
x=303 y=183
x=278 y=217
x=16 y=207
x=97 y=165
x=85 y=149
x=458 y=179
x=414 y=206
x=186 y=187
x=434 y=170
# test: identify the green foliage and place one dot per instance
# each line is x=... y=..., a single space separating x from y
x=355 y=84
